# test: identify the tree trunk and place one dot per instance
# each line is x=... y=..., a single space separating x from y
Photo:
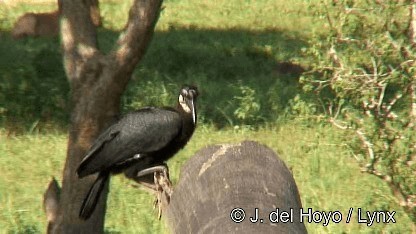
x=221 y=178
x=97 y=82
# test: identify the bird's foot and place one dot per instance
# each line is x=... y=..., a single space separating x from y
x=163 y=190
x=162 y=185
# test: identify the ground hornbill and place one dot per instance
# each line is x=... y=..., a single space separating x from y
x=139 y=143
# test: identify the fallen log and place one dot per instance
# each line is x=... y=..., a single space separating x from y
x=235 y=188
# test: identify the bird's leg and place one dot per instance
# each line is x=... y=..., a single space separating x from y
x=159 y=192
x=146 y=177
x=151 y=170
x=161 y=177
x=162 y=184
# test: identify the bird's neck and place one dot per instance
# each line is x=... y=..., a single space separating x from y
x=188 y=125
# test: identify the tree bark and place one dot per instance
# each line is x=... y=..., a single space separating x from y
x=95 y=12
x=221 y=178
x=97 y=82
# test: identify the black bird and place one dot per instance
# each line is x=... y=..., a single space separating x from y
x=143 y=139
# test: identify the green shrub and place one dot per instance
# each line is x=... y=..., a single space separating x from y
x=364 y=76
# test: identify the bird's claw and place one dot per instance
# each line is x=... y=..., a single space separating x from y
x=163 y=187
x=158 y=202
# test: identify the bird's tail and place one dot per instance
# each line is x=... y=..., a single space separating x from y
x=90 y=201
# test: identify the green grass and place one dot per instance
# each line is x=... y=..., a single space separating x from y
x=222 y=57
x=327 y=178
x=232 y=51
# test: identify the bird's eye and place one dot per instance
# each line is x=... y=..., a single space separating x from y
x=195 y=92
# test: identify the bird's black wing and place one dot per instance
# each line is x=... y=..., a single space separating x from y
x=144 y=131
x=109 y=134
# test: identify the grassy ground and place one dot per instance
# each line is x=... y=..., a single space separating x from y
x=234 y=51
x=327 y=177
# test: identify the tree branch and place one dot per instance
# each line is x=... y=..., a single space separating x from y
x=79 y=36
x=134 y=41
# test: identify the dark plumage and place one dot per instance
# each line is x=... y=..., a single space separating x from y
x=141 y=139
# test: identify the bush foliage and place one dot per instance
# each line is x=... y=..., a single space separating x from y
x=364 y=75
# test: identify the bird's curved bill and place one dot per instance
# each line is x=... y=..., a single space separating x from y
x=190 y=103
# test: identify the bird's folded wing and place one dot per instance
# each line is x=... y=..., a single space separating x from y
x=139 y=132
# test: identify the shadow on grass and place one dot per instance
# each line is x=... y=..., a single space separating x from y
x=245 y=77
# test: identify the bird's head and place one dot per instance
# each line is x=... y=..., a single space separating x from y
x=187 y=99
